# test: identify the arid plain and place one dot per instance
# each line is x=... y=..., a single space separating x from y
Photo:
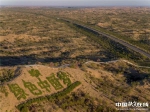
x=50 y=65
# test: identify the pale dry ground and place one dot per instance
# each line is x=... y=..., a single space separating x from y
x=132 y=22
x=88 y=84
x=8 y=103
x=77 y=44
x=12 y=38
x=72 y=47
x=128 y=23
x=25 y=34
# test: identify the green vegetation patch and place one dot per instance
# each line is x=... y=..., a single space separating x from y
x=48 y=97
x=116 y=50
x=44 y=84
x=4 y=90
x=18 y=92
x=34 y=73
x=32 y=88
x=54 y=81
x=65 y=77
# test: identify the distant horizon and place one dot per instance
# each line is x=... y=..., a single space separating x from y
x=65 y=6
x=52 y=6
x=77 y=3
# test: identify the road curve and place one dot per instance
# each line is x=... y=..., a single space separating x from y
x=134 y=48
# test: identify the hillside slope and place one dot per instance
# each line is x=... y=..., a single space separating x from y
x=102 y=85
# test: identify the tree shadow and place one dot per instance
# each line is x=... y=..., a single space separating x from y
x=135 y=76
x=33 y=59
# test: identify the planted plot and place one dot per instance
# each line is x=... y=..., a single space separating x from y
x=4 y=90
x=65 y=77
x=44 y=84
x=18 y=92
x=54 y=82
x=49 y=97
x=34 y=73
x=32 y=88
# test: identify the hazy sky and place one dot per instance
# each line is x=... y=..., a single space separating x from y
x=76 y=2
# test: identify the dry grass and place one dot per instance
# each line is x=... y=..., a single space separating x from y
x=103 y=83
x=36 y=39
x=27 y=38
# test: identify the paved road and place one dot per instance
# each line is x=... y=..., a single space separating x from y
x=134 y=48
